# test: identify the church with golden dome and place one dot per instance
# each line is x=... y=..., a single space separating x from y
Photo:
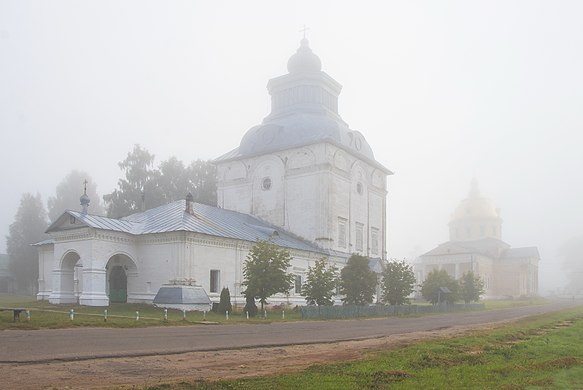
x=475 y=244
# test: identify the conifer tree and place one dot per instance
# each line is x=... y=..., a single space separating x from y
x=225 y=301
x=28 y=228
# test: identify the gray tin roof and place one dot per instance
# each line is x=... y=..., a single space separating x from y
x=209 y=220
x=183 y=295
x=519 y=253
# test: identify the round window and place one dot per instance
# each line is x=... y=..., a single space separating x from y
x=359 y=188
x=266 y=183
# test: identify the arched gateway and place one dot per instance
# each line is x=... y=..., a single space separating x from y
x=121 y=270
x=88 y=282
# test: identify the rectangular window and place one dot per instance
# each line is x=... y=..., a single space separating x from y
x=215 y=280
x=374 y=241
x=359 y=238
x=298 y=284
x=341 y=232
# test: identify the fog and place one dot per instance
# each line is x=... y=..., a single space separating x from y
x=443 y=91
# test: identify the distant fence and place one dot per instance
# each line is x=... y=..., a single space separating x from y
x=329 y=312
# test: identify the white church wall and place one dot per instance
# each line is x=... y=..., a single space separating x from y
x=156 y=259
x=161 y=259
x=359 y=208
x=236 y=197
x=305 y=203
x=234 y=188
x=376 y=220
x=46 y=264
x=339 y=210
x=313 y=191
x=267 y=174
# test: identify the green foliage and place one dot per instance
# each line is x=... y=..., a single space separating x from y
x=357 y=282
x=28 y=228
x=69 y=191
x=436 y=279
x=225 y=301
x=145 y=186
x=203 y=181
x=250 y=306
x=137 y=186
x=471 y=287
x=265 y=271
x=398 y=282
x=320 y=283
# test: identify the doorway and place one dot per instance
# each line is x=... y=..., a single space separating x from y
x=118 y=285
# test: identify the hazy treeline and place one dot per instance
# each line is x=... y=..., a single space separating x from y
x=142 y=186
x=572 y=253
x=145 y=186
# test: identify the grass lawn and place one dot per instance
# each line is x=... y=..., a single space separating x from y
x=507 y=303
x=545 y=352
x=45 y=315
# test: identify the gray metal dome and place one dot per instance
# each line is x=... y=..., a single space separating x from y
x=304 y=60
x=302 y=129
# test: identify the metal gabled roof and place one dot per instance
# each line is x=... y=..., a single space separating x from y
x=488 y=246
x=182 y=295
x=94 y=221
x=44 y=242
x=518 y=253
x=209 y=220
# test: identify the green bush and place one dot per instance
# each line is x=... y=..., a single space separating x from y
x=225 y=302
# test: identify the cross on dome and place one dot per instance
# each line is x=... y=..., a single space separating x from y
x=84 y=198
x=303 y=30
x=304 y=60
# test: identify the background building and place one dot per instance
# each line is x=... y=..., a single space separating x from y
x=475 y=232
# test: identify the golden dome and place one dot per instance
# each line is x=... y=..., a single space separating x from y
x=475 y=206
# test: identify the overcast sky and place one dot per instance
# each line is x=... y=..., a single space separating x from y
x=444 y=91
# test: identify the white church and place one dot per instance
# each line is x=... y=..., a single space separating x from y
x=475 y=244
x=302 y=178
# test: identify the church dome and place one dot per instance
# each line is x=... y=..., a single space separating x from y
x=475 y=206
x=304 y=111
x=84 y=199
x=298 y=130
x=304 y=60
x=475 y=218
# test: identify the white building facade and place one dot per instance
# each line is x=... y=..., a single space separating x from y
x=302 y=178
x=305 y=170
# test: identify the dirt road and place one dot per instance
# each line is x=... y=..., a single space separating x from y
x=89 y=358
